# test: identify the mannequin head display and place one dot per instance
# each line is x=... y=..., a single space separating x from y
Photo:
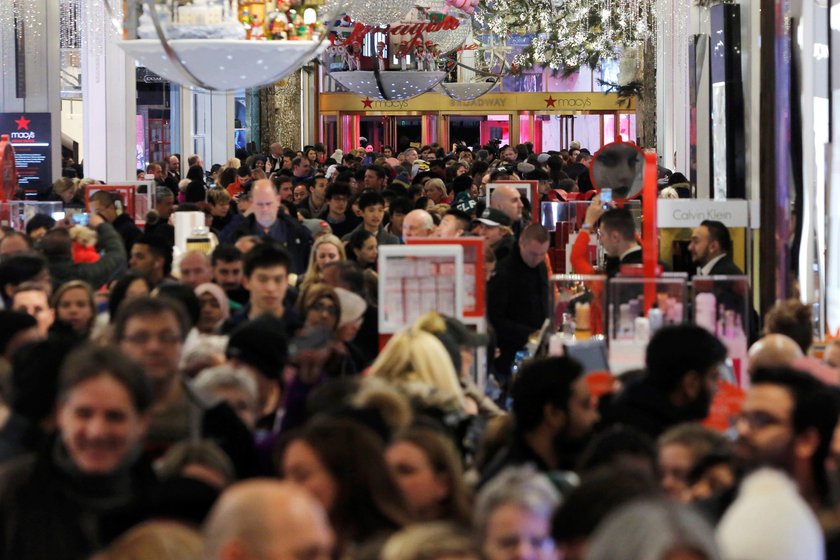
x=619 y=166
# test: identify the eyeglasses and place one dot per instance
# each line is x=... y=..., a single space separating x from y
x=166 y=338
x=325 y=307
x=759 y=420
x=513 y=542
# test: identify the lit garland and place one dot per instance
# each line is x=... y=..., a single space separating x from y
x=569 y=34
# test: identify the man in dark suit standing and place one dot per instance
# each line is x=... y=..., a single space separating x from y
x=517 y=296
x=618 y=238
x=173 y=173
x=711 y=250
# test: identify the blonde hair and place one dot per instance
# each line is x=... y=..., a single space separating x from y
x=311 y=276
x=669 y=193
x=65 y=184
x=218 y=195
x=87 y=181
x=418 y=363
x=430 y=541
x=437 y=183
x=156 y=540
x=235 y=163
x=84 y=235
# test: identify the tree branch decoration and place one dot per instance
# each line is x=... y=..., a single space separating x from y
x=626 y=92
x=569 y=34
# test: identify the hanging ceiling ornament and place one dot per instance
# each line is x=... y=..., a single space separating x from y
x=223 y=45
x=478 y=67
x=416 y=72
x=446 y=40
x=405 y=66
x=378 y=12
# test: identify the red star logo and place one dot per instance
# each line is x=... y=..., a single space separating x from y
x=23 y=123
x=549 y=102
x=367 y=102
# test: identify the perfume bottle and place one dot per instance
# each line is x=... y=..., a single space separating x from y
x=704 y=311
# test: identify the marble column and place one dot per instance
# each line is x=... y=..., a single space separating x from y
x=280 y=113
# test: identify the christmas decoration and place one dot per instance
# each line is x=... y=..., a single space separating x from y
x=407 y=53
x=568 y=34
x=223 y=45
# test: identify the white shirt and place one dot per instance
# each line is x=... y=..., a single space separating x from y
x=706 y=269
x=628 y=251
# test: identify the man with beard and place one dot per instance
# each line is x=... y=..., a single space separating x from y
x=711 y=248
x=682 y=374
x=787 y=422
x=711 y=253
x=226 y=262
x=554 y=416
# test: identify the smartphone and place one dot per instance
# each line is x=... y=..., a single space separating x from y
x=310 y=339
x=57 y=216
x=606 y=198
x=81 y=218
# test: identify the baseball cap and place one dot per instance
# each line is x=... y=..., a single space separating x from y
x=467 y=206
x=463 y=336
x=494 y=217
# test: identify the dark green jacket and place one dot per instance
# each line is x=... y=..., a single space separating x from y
x=110 y=263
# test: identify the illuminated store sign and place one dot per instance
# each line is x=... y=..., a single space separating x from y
x=30 y=135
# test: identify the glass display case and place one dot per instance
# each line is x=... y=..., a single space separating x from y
x=721 y=305
x=638 y=307
x=579 y=304
x=15 y=213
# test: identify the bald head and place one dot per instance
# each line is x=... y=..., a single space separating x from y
x=418 y=223
x=264 y=519
x=265 y=202
x=195 y=269
x=508 y=200
x=773 y=350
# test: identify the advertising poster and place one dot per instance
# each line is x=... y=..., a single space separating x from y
x=416 y=279
x=30 y=134
x=474 y=278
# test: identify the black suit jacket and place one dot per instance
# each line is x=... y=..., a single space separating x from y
x=517 y=305
x=730 y=300
x=612 y=265
x=725 y=267
x=171 y=181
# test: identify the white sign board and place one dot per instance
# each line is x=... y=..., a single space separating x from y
x=688 y=212
x=415 y=279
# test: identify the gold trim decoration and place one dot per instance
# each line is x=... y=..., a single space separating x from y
x=577 y=102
